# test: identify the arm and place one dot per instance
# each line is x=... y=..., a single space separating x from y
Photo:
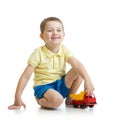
x=20 y=87
x=79 y=68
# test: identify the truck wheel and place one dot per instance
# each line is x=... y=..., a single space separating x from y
x=75 y=105
x=91 y=106
x=83 y=105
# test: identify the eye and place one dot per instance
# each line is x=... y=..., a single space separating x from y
x=59 y=30
x=49 y=30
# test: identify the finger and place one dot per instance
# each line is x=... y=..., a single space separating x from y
x=24 y=105
x=16 y=107
x=13 y=107
x=89 y=92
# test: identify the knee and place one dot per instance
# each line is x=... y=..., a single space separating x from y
x=56 y=101
x=78 y=79
x=52 y=103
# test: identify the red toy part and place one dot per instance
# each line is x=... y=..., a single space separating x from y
x=87 y=101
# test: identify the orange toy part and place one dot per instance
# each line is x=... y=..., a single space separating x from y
x=79 y=96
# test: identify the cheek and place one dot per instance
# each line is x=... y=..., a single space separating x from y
x=46 y=36
x=62 y=36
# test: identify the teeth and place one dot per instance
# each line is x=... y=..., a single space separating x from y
x=55 y=38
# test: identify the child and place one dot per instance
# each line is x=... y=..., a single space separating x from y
x=51 y=83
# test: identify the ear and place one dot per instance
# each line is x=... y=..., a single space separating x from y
x=41 y=36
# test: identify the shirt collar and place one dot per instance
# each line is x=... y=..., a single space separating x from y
x=50 y=54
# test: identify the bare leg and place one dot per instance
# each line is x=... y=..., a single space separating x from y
x=73 y=81
x=75 y=86
x=52 y=99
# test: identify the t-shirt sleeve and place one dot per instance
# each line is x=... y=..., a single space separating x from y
x=34 y=58
x=67 y=53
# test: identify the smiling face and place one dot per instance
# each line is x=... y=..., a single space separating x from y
x=53 y=33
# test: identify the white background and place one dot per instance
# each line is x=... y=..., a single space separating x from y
x=92 y=29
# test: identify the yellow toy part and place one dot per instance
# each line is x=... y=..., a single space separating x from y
x=79 y=96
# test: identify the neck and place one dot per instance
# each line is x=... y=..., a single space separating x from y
x=53 y=49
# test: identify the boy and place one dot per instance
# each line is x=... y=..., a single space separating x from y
x=51 y=83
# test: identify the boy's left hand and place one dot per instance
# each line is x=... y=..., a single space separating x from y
x=88 y=87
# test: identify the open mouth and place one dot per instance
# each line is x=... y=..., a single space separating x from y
x=55 y=38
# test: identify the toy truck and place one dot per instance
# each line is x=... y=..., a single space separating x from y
x=82 y=100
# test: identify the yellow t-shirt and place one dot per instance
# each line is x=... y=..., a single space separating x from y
x=48 y=66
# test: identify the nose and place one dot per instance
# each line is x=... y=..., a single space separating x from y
x=54 y=31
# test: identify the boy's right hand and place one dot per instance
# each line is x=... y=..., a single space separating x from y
x=17 y=105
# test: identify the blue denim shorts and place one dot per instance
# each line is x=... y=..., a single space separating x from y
x=58 y=85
